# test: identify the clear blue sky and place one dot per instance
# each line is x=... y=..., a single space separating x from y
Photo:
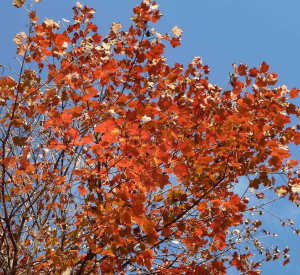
x=221 y=32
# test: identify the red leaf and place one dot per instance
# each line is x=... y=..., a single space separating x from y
x=253 y=72
x=242 y=69
x=263 y=68
x=286 y=261
x=294 y=93
x=181 y=169
x=110 y=66
x=175 y=42
x=261 y=82
x=107 y=125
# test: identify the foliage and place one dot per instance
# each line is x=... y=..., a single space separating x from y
x=114 y=162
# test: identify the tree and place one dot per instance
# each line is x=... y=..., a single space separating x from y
x=113 y=162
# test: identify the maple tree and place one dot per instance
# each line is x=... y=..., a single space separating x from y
x=113 y=162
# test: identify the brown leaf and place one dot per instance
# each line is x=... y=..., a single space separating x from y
x=116 y=26
x=79 y=5
x=18 y=3
x=286 y=261
x=280 y=191
x=18 y=39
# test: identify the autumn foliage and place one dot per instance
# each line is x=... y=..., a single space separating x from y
x=114 y=162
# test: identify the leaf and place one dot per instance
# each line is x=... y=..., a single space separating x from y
x=27 y=188
x=82 y=190
x=286 y=250
x=261 y=82
x=181 y=169
x=296 y=188
x=33 y=17
x=108 y=125
x=175 y=42
x=20 y=141
x=18 y=39
x=286 y=261
x=255 y=183
x=156 y=16
x=253 y=72
x=281 y=191
x=263 y=68
x=242 y=70
x=116 y=26
x=176 y=31
x=66 y=118
x=88 y=139
x=79 y=5
x=294 y=93
x=18 y=3
x=154 y=6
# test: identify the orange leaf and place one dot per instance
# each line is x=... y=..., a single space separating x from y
x=82 y=190
x=33 y=17
x=26 y=188
x=87 y=139
x=66 y=118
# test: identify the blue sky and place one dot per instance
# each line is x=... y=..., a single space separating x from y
x=221 y=32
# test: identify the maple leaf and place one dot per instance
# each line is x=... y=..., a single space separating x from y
x=18 y=39
x=27 y=188
x=253 y=72
x=263 y=67
x=175 y=42
x=281 y=191
x=154 y=6
x=79 y=5
x=176 y=31
x=294 y=93
x=116 y=26
x=296 y=188
x=181 y=169
x=33 y=17
x=18 y=3
x=87 y=139
x=242 y=69
x=82 y=190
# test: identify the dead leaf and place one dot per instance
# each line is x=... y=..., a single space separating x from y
x=280 y=191
x=116 y=26
x=79 y=5
x=177 y=31
x=18 y=3
x=18 y=39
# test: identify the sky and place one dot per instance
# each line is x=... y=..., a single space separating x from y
x=220 y=32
